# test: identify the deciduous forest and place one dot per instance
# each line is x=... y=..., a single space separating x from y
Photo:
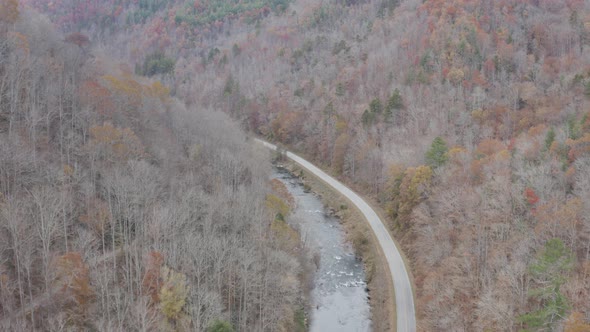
x=120 y=208
x=468 y=121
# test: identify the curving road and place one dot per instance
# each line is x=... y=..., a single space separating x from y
x=404 y=300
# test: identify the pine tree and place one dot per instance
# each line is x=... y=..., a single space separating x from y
x=548 y=272
x=394 y=104
x=220 y=326
x=375 y=106
x=549 y=139
x=436 y=156
x=367 y=118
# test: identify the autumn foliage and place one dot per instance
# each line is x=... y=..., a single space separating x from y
x=531 y=197
x=9 y=11
x=362 y=88
x=576 y=323
x=120 y=207
x=73 y=279
x=78 y=39
x=152 y=280
x=114 y=144
x=173 y=293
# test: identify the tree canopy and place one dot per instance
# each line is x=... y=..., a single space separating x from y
x=436 y=156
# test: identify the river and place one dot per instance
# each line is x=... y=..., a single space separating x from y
x=339 y=300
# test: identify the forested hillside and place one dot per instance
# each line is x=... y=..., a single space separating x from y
x=467 y=120
x=122 y=210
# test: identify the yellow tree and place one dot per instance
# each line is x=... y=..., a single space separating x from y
x=114 y=144
x=128 y=90
x=173 y=293
x=576 y=323
x=158 y=90
x=411 y=190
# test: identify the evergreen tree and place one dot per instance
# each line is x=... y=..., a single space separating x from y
x=367 y=118
x=548 y=272
x=549 y=139
x=220 y=326
x=436 y=156
x=375 y=106
x=394 y=104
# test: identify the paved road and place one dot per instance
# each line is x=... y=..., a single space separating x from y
x=404 y=301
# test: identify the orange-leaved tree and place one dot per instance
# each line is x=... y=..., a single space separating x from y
x=152 y=279
x=576 y=323
x=113 y=144
x=9 y=11
x=73 y=279
x=96 y=96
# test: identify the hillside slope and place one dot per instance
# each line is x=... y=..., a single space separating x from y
x=494 y=209
x=122 y=210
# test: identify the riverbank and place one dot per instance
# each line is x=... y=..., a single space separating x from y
x=339 y=300
x=365 y=245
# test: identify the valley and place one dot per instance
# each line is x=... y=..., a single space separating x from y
x=133 y=196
